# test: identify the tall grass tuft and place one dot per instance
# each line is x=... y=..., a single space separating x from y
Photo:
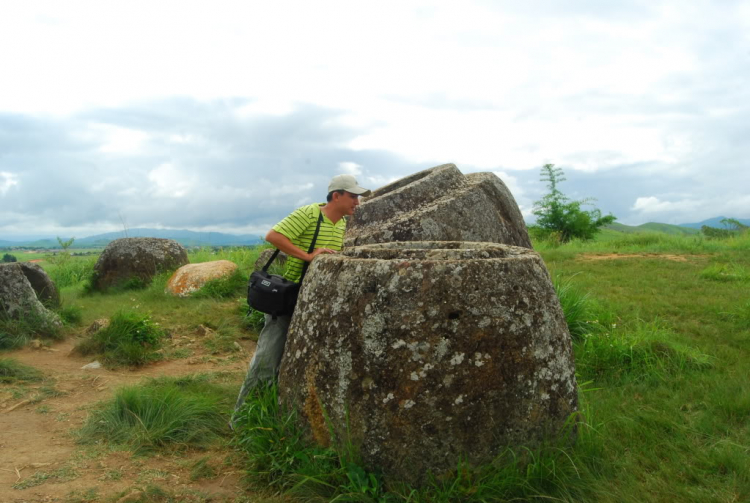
x=71 y=272
x=17 y=331
x=163 y=413
x=644 y=351
x=12 y=370
x=726 y=272
x=131 y=339
x=277 y=453
x=576 y=306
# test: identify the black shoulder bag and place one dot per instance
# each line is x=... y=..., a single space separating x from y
x=274 y=294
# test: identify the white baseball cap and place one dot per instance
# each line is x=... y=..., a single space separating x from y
x=347 y=183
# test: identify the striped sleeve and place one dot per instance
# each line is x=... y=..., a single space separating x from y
x=299 y=227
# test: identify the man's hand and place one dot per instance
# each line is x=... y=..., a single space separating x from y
x=283 y=243
x=318 y=251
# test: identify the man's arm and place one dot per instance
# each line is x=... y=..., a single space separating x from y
x=284 y=244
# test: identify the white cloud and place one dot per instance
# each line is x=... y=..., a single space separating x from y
x=651 y=204
x=350 y=168
x=7 y=180
x=118 y=140
x=168 y=181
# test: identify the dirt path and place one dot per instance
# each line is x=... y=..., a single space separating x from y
x=617 y=256
x=39 y=456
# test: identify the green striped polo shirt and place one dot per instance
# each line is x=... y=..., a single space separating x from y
x=299 y=227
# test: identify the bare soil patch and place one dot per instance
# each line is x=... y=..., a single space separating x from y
x=616 y=256
x=38 y=453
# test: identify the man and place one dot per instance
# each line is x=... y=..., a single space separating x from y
x=293 y=236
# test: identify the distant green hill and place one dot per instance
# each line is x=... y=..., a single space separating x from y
x=653 y=227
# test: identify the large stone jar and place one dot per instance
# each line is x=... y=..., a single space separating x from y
x=425 y=353
x=136 y=260
x=439 y=204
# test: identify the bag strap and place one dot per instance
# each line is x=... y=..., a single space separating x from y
x=312 y=246
x=309 y=250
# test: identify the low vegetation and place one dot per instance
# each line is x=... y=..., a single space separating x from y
x=661 y=335
x=131 y=339
x=12 y=371
x=164 y=413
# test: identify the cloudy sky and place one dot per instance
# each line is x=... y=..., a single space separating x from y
x=226 y=115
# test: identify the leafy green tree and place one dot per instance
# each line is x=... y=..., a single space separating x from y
x=733 y=224
x=556 y=213
x=9 y=258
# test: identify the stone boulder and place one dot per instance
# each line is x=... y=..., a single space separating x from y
x=439 y=204
x=18 y=299
x=277 y=263
x=136 y=259
x=422 y=354
x=190 y=278
x=45 y=289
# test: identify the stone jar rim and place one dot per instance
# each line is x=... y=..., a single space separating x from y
x=438 y=251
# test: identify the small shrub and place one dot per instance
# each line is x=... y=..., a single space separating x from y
x=13 y=371
x=163 y=413
x=130 y=339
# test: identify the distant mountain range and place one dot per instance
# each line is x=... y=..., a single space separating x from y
x=184 y=237
x=192 y=238
x=715 y=222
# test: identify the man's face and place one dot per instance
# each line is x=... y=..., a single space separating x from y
x=348 y=202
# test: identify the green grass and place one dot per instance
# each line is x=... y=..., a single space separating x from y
x=280 y=458
x=131 y=339
x=164 y=413
x=662 y=356
x=12 y=371
x=233 y=285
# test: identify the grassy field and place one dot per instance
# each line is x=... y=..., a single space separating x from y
x=661 y=327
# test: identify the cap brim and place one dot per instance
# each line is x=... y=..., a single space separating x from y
x=359 y=191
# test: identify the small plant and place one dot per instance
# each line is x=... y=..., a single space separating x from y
x=130 y=339
x=163 y=413
x=9 y=258
x=13 y=371
x=557 y=213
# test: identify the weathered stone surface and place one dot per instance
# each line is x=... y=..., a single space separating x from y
x=139 y=259
x=439 y=204
x=278 y=262
x=18 y=299
x=190 y=278
x=45 y=288
x=430 y=353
